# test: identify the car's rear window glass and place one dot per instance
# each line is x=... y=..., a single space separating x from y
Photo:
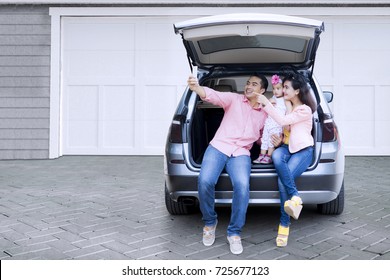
x=212 y=45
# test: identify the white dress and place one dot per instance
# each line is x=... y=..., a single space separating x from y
x=272 y=127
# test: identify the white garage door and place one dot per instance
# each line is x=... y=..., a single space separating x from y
x=121 y=78
x=353 y=62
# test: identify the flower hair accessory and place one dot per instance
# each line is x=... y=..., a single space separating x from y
x=276 y=80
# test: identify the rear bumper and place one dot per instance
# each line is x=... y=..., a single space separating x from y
x=263 y=189
x=319 y=185
x=263 y=198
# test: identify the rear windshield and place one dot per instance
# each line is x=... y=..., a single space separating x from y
x=213 y=45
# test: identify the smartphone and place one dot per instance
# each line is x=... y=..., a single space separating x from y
x=195 y=71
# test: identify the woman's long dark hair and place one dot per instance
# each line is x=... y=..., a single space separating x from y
x=298 y=82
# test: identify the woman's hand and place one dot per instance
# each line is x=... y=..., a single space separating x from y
x=262 y=99
x=276 y=139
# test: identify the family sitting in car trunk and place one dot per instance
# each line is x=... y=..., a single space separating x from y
x=287 y=142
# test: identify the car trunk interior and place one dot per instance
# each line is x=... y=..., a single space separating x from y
x=206 y=121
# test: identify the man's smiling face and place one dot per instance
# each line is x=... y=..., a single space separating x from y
x=253 y=85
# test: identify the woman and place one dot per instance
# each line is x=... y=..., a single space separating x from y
x=295 y=154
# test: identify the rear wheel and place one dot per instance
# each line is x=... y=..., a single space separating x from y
x=334 y=207
x=183 y=206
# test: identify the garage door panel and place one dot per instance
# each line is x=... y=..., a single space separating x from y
x=134 y=64
x=82 y=34
x=92 y=63
x=118 y=103
x=327 y=38
x=103 y=81
x=160 y=36
x=154 y=134
x=366 y=119
x=365 y=36
x=83 y=103
x=361 y=134
x=382 y=135
x=160 y=103
x=326 y=71
x=158 y=62
x=82 y=134
x=360 y=66
x=359 y=99
x=382 y=101
x=117 y=64
x=80 y=116
x=118 y=117
x=118 y=134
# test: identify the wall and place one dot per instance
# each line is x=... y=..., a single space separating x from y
x=24 y=82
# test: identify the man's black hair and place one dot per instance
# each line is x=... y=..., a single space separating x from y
x=264 y=81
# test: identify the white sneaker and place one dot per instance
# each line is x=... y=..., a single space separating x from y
x=235 y=244
x=209 y=234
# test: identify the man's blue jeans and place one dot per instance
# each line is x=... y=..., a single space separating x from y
x=289 y=167
x=239 y=169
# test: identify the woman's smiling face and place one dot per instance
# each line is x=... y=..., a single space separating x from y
x=289 y=92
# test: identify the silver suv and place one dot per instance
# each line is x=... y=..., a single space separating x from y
x=227 y=49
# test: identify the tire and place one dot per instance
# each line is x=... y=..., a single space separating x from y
x=334 y=207
x=180 y=207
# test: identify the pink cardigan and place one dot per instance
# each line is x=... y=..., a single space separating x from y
x=301 y=123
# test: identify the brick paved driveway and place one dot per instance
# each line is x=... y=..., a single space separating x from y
x=90 y=207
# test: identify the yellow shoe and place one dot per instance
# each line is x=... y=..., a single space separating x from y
x=282 y=238
x=293 y=207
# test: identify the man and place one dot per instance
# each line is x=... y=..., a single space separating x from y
x=230 y=149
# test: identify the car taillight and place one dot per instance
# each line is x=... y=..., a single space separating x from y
x=176 y=133
x=329 y=132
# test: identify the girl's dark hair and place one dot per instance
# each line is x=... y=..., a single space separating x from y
x=299 y=82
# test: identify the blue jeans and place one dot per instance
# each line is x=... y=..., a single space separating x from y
x=239 y=169
x=289 y=167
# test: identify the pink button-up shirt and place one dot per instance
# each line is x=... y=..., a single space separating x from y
x=240 y=126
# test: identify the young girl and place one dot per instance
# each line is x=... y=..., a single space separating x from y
x=293 y=158
x=271 y=127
